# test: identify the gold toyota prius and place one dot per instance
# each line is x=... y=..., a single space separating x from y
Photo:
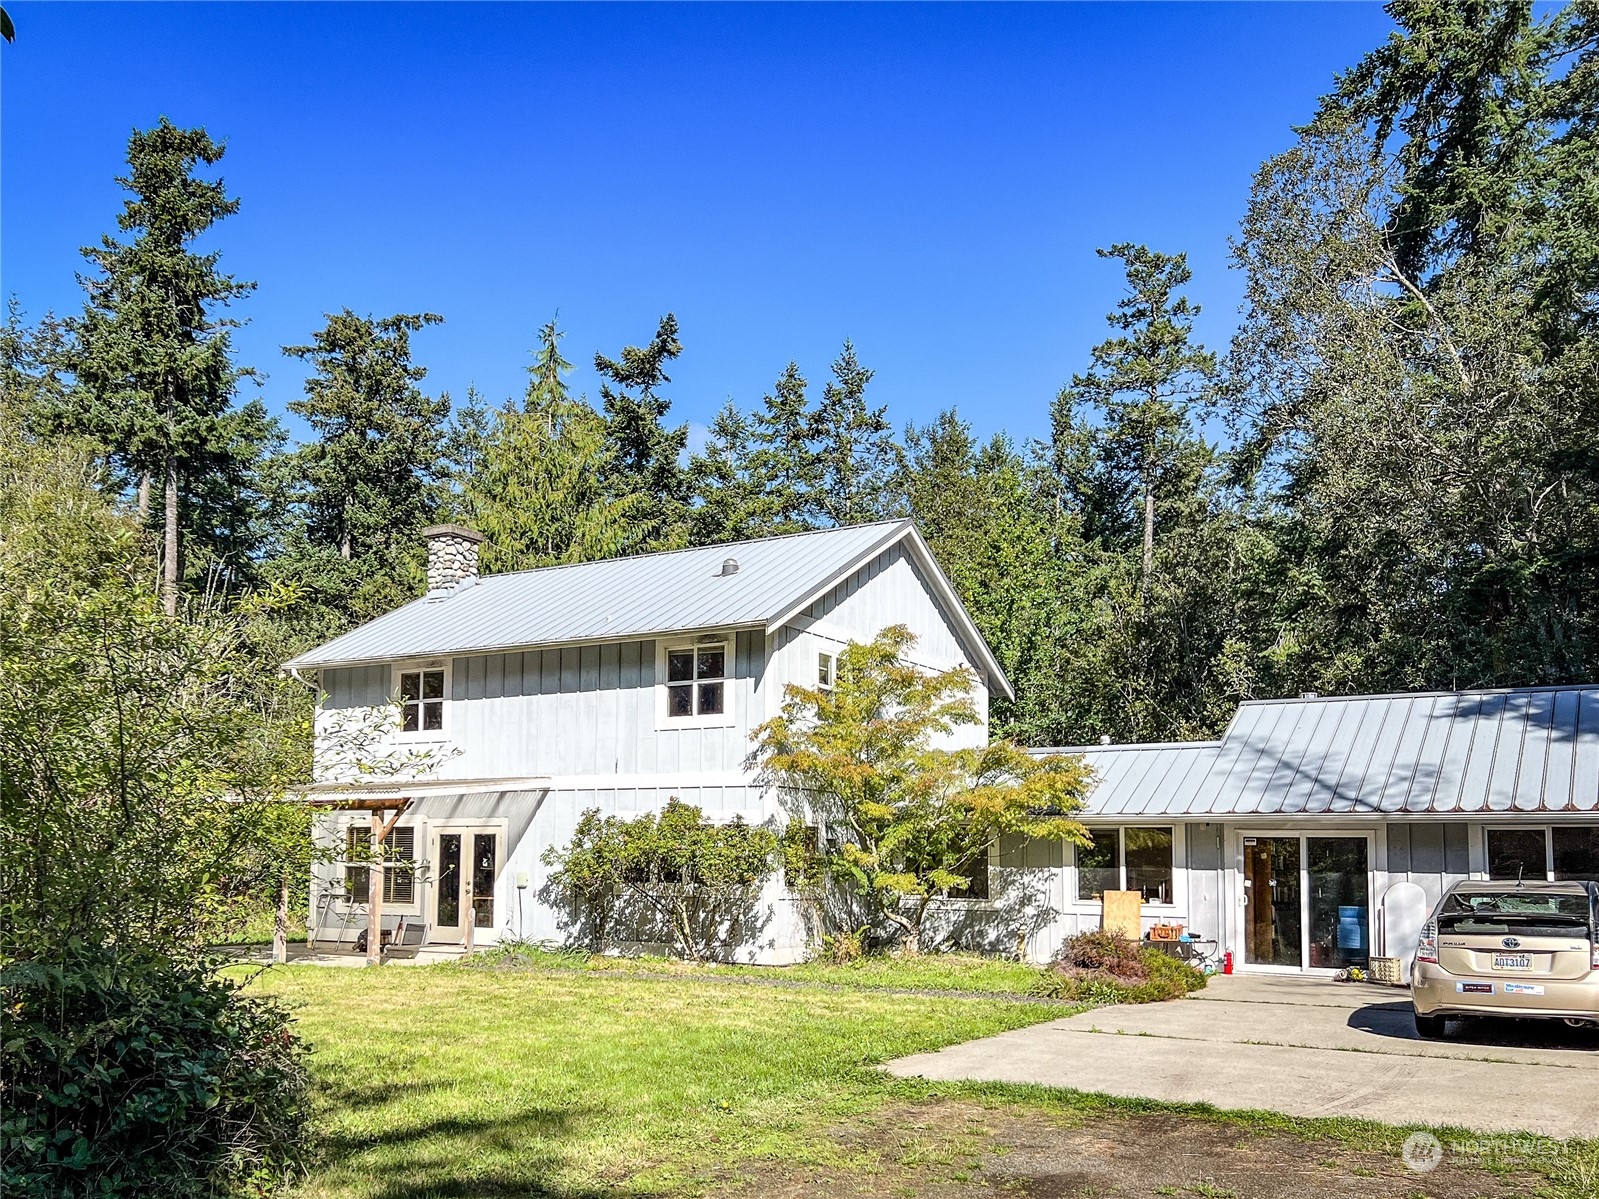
x=1528 y=949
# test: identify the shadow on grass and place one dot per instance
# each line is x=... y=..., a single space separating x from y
x=524 y=1153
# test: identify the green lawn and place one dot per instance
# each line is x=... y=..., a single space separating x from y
x=446 y=1082
x=450 y=1081
x=959 y=972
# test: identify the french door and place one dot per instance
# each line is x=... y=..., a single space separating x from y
x=1307 y=900
x=466 y=864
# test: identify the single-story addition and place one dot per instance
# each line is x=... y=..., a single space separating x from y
x=1318 y=831
x=527 y=698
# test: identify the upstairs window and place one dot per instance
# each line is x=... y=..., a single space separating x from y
x=826 y=668
x=696 y=681
x=422 y=701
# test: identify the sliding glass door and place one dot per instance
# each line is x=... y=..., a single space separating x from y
x=1307 y=900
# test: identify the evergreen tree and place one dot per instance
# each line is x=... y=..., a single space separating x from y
x=1140 y=387
x=366 y=486
x=35 y=388
x=466 y=442
x=729 y=502
x=540 y=494
x=857 y=456
x=153 y=358
x=648 y=453
x=784 y=460
x=1414 y=370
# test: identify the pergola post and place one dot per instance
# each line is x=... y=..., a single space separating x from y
x=374 y=894
x=374 y=879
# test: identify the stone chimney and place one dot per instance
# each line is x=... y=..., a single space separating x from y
x=452 y=555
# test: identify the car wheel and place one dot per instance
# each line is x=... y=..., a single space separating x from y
x=1430 y=1028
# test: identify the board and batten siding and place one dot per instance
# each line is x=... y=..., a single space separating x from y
x=890 y=589
x=573 y=710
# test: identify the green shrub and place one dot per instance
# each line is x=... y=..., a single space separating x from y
x=840 y=949
x=1104 y=967
x=127 y=1074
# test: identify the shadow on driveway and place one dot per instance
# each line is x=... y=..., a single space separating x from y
x=1395 y=1020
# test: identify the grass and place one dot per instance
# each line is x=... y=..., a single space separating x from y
x=963 y=973
x=442 y=1080
x=603 y=1079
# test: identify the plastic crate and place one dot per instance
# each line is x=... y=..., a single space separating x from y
x=1389 y=971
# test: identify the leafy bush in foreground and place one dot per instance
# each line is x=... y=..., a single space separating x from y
x=127 y=1074
x=1105 y=967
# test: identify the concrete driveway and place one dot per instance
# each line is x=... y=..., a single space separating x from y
x=1304 y=1047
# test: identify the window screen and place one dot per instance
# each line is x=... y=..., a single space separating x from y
x=1517 y=853
x=1099 y=865
x=1149 y=866
x=1576 y=853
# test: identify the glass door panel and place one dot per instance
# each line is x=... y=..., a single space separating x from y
x=1272 y=924
x=1340 y=901
x=448 y=913
x=483 y=869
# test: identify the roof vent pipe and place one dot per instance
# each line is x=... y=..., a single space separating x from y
x=729 y=566
x=1104 y=738
x=452 y=555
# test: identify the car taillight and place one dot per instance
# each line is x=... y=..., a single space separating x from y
x=1427 y=945
x=1593 y=952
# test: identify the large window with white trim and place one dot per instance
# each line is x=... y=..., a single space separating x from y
x=1130 y=858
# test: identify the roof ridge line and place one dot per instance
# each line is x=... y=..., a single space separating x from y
x=694 y=549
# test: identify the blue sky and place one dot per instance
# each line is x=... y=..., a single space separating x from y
x=930 y=181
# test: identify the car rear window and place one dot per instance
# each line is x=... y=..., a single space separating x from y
x=1513 y=910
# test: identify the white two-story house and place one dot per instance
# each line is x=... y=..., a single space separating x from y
x=525 y=699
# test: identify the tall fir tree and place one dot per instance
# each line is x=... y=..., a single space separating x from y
x=154 y=358
x=858 y=456
x=367 y=482
x=728 y=501
x=784 y=460
x=1140 y=388
x=540 y=493
x=648 y=453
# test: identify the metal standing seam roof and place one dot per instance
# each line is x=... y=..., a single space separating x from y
x=642 y=596
x=1522 y=750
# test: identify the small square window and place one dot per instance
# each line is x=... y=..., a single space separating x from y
x=422 y=701
x=696 y=681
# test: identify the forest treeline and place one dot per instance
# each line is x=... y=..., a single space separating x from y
x=1399 y=489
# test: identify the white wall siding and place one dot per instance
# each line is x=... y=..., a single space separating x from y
x=577 y=710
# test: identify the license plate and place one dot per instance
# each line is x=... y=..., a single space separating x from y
x=1512 y=961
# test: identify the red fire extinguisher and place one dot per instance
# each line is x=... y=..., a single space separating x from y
x=1227 y=962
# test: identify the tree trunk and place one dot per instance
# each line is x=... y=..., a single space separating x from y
x=1149 y=532
x=374 y=897
x=169 y=565
x=344 y=539
x=144 y=496
x=280 y=927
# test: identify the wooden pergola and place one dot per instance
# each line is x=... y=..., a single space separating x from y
x=386 y=812
x=387 y=802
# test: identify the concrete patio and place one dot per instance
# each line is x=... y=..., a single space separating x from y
x=1304 y=1047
